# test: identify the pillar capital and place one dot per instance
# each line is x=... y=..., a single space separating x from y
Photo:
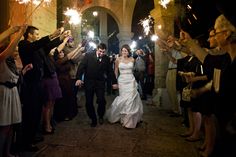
x=125 y=37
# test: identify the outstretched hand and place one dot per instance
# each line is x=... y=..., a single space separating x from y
x=115 y=86
x=27 y=68
x=23 y=28
x=15 y=28
x=18 y=28
x=79 y=83
x=184 y=36
x=65 y=34
x=56 y=33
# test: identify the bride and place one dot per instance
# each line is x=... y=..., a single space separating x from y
x=127 y=107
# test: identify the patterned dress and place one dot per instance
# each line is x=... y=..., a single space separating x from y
x=10 y=105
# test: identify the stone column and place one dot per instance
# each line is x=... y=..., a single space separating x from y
x=165 y=18
x=124 y=36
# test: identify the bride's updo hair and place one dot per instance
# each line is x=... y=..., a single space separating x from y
x=126 y=46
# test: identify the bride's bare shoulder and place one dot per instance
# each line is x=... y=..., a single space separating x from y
x=131 y=59
x=118 y=59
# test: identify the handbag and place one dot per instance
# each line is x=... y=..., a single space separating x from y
x=186 y=93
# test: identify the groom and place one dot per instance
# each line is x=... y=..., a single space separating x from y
x=95 y=66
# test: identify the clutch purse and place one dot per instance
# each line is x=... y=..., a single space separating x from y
x=186 y=93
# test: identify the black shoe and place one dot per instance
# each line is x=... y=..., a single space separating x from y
x=38 y=139
x=101 y=121
x=94 y=123
x=31 y=148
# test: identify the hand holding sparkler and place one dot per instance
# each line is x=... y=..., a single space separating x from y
x=8 y=32
x=56 y=33
x=65 y=34
x=15 y=28
x=79 y=83
x=184 y=36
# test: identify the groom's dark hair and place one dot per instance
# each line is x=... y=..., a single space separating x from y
x=102 y=46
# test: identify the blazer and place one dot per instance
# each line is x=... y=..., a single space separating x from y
x=93 y=69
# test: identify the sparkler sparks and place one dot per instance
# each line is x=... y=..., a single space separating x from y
x=74 y=16
x=146 y=24
x=164 y=3
x=35 y=2
x=23 y=1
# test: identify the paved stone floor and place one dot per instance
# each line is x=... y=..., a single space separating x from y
x=156 y=136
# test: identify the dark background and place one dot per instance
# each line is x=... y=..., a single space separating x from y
x=206 y=12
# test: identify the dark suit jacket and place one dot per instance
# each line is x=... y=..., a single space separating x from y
x=95 y=70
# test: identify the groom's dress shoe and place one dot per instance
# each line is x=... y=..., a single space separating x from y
x=101 y=121
x=31 y=148
x=93 y=124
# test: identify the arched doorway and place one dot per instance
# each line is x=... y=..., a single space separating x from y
x=104 y=27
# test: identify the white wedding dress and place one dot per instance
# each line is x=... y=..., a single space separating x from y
x=127 y=107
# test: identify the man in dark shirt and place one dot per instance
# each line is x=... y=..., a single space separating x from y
x=30 y=51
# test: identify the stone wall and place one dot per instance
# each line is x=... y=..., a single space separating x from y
x=43 y=17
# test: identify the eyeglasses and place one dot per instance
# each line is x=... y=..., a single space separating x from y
x=219 y=32
x=210 y=37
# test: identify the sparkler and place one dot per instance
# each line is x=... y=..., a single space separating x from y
x=27 y=18
x=109 y=36
x=35 y=2
x=74 y=16
x=154 y=37
x=23 y=1
x=164 y=3
x=146 y=24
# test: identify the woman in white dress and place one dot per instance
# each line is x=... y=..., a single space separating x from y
x=127 y=107
x=10 y=105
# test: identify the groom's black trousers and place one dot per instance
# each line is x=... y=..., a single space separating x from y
x=95 y=87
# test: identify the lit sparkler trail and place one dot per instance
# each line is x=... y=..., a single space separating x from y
x=164 y=3
x=189 y=7
x=74 y=17
x=38 y=3
x=27 y=18
x=23 y=1
x=35 y=2
x=146 y=24
x=195 y=17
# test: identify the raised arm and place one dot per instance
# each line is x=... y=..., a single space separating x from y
x=198 y=51
x=4 y=35
x=63 y=44
x=73 y=55
x=12 y=46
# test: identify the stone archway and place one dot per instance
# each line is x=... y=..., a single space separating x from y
x=104 y=25
x=121 y=11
